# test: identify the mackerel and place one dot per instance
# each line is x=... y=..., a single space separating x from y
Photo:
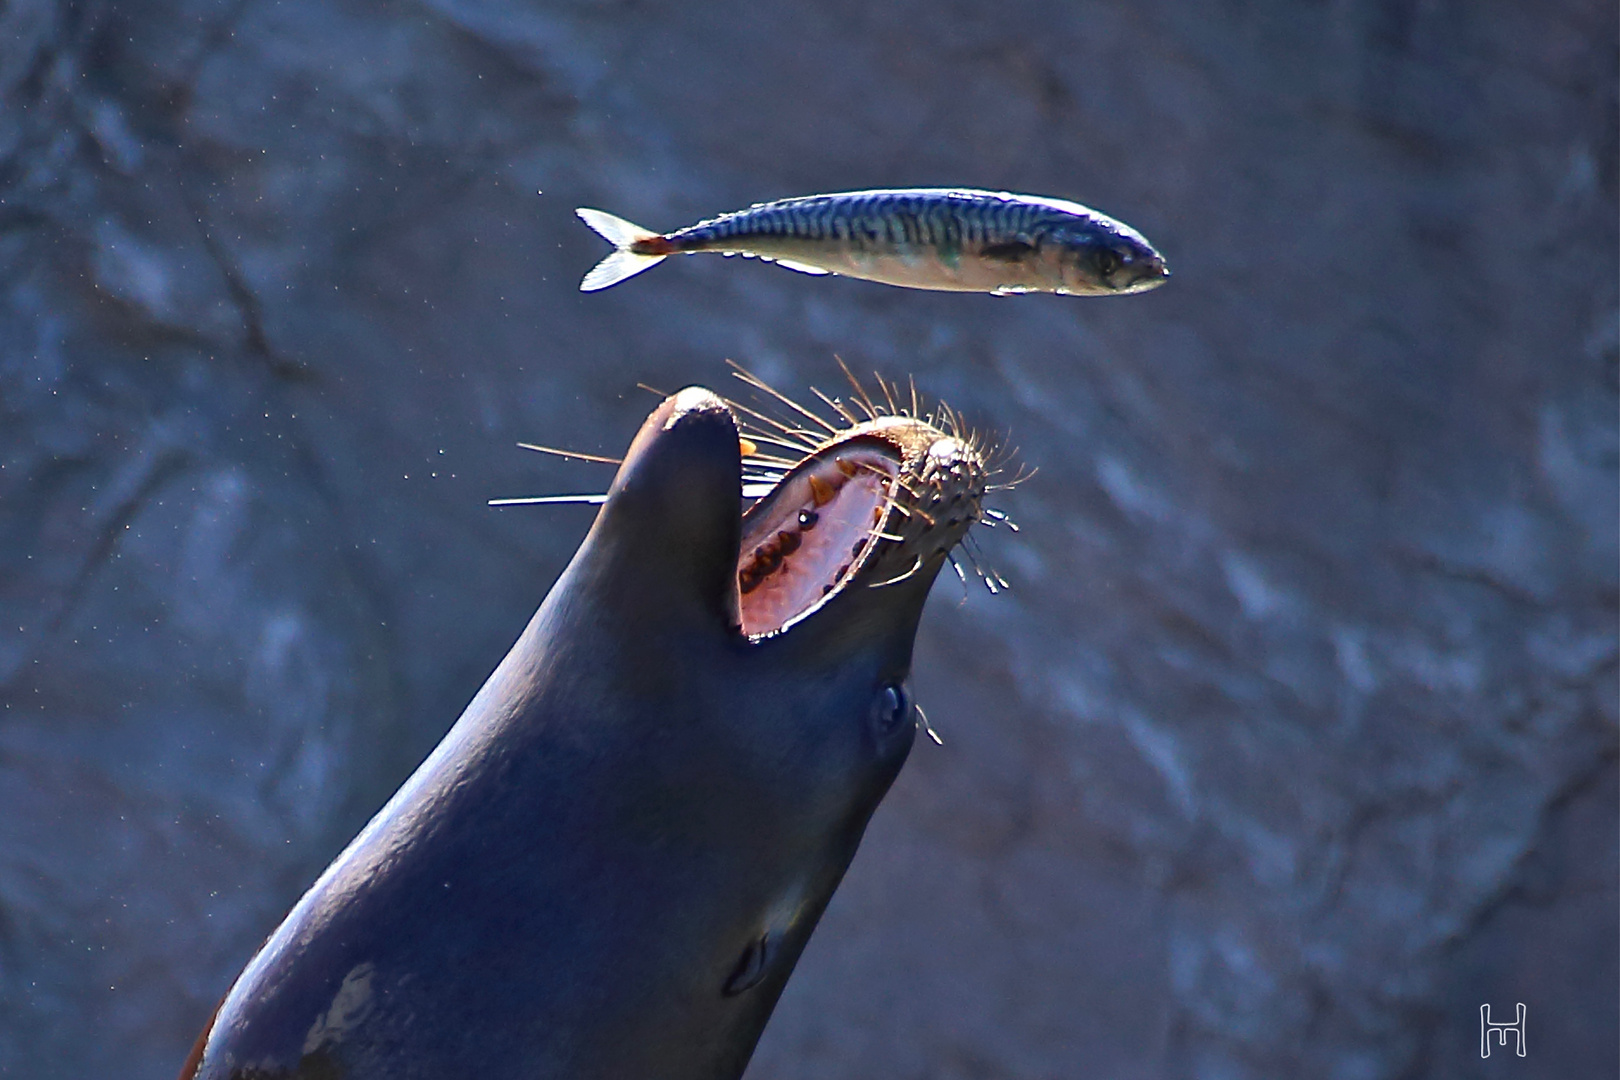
x=951 y=239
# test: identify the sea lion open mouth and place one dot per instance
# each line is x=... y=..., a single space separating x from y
x=871 y=502
x=875 y=494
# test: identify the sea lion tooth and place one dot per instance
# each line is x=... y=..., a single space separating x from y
x=821 y=492
x=788 y=542
x=847 y=467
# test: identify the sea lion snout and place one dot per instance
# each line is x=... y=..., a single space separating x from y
x=666 y=537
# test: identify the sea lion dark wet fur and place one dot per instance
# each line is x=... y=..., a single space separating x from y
x=610 y=865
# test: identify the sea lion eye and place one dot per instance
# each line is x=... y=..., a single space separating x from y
x=891 y=709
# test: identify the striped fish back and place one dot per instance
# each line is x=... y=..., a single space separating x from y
x=873 y=220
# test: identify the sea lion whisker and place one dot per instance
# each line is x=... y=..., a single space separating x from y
x=836 y=406
x=888 y=395
x=922 y=718
x=575 y=454
x=752 y=416
x=915 y=566
x=536 y=500
x=770 y=460
x=861 y=397
x=950 y=557
x=996 y=517
x=799 y=450
x=1021 y=477
x=928 y=519
x=803 y=437
x=764 y=418
x=867 y=466
x=997 y=451
x=760 y=384
x=992 y=580
x=905 y=485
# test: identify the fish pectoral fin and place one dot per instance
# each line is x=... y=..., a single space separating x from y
x=1011 y=251
x=803 y=268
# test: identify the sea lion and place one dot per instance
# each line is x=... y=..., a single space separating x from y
x=610 y=865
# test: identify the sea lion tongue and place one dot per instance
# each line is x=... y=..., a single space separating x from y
x=609 y=866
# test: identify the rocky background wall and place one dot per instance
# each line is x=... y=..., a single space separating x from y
x=1295 y=740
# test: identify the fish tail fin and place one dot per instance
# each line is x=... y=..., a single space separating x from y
x=623 y=262
x=615 y=230
x=616 y=267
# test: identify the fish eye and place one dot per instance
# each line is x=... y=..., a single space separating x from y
x=891 y=709
x=1106 y=260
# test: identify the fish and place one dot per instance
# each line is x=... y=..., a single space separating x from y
x=947 y=239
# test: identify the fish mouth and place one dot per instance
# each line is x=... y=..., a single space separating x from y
x=1142 y=275
x=881 y=500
